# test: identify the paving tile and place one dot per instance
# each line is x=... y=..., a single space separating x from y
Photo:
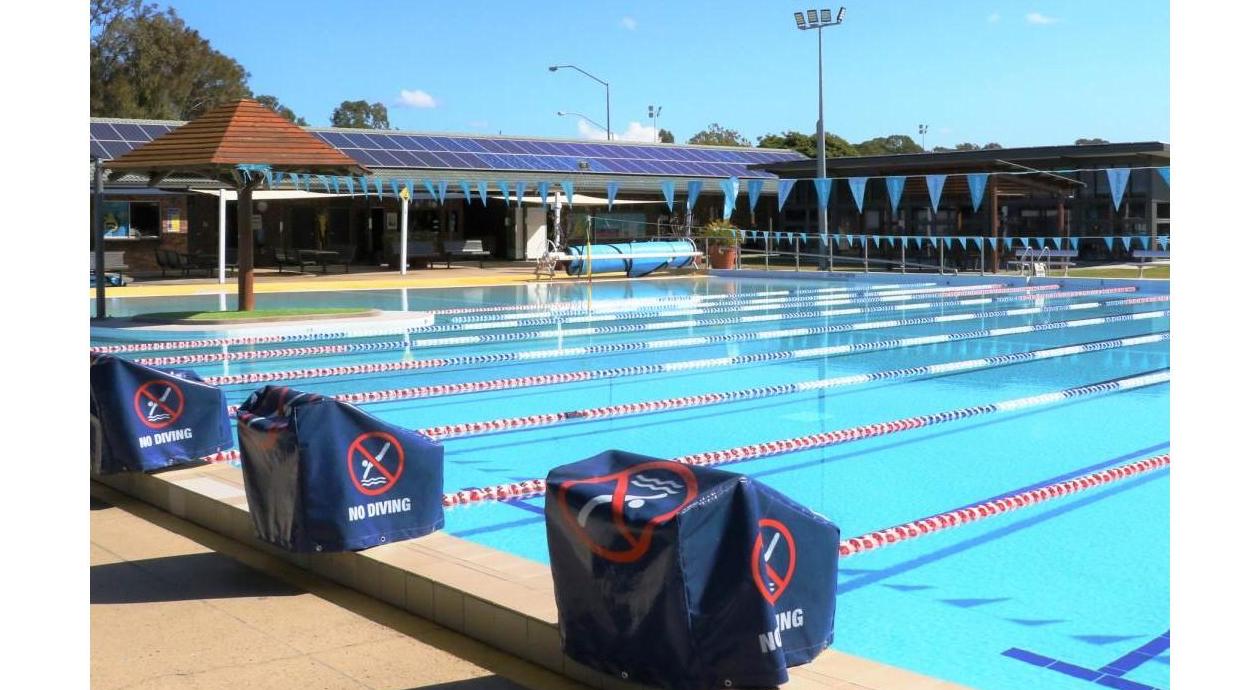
x=399 y=663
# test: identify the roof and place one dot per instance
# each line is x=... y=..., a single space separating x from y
x=410 y=152
x=236 y=133
x=1051 y=158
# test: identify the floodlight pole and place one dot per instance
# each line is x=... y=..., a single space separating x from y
x=607 y=90
x=813 y=22
x=97 y=227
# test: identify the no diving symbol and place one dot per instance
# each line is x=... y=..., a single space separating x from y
x=375 y=460
x=158 y=403
x=774 y=553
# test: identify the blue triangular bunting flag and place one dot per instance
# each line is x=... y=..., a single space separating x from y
x=857 y=185
x=429 y=188
x=730 y=189
x=822 y=191
x=542 y=192
x=481 y=191
x=1110 y=242
x=935 y=184
x=395 y=187
x=754 y=187
x=976 y=186
x=442 y=192
x=979 y=242
x=1166 y=173
x=894 y=185
x=1118 y=179
x=947 y=241
x=783 y=192
x=466 y=189
x=612 y=188
x=567 y=186
x=1126 y=241
x=1163 y=241
x=504 y=187
x=693 y=187
x=351 y=185
x=667 y=189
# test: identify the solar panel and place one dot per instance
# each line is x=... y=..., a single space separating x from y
x=103 y=131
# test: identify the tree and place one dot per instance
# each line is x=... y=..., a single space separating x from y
x=666 y=137
x=967 y=146
x=273 y=104
x=895 y=143
x=835 y=146
x=719 y=136
x=1085 y=142
x=360 y=115
x=992 y=145
x=146 y=63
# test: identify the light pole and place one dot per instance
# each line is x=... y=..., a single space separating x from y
x=607 y=89
x=562 y=113
x=818 y=21
x=924 y=129
x=653 y=112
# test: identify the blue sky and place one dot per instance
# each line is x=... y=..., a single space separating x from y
x=1019 y=73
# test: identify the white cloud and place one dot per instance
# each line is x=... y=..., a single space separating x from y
x=629 y=23
x=636 y=131
x=1039 y=18
x=416 y=98
x=478 y=124
x=993 y=18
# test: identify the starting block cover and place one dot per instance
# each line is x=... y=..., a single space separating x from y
x=687 y=577
x=146 y=419
x=322 y=475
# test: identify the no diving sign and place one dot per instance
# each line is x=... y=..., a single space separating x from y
x=375 y=461
x=159 y=403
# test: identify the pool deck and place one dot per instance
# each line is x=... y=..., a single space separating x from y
x=499 y=599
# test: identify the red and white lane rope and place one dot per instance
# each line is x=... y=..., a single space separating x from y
x=981 y=511
x=693 y=341
x=491 y=322
x=754 y=304
x=534 y=487
x=626 y=303
x=448 y=431
x=561 y=333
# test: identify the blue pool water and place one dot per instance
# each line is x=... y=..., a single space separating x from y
x=1072 y=594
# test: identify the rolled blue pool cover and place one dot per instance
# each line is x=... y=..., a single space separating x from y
x=684 y=577
x=622 y=257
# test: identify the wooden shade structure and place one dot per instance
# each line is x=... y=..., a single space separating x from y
x=230 y=144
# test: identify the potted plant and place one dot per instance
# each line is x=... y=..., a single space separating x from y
x=722 y=243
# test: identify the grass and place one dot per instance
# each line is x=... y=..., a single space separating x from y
x=194 y=316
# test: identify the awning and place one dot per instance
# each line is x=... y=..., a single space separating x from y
x=268 y=195
x=582 y=200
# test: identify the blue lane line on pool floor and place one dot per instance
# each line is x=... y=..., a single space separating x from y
x=1111 y=675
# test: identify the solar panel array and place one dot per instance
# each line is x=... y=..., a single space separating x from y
x=427 y=151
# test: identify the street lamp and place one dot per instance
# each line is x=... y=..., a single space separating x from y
x=819 y=21
x=924 y=129
x=562 y=113
x=607 y=88
x=653 y=112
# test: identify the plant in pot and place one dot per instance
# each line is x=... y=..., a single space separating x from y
x=722 y=243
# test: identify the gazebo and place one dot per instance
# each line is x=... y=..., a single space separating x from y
x=240 y=144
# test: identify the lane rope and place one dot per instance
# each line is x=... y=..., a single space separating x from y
x=981 y=511
x=533 y=487
x=693 y=341
x=557 y=333
x=484 y=323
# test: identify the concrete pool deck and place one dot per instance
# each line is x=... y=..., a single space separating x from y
x=499 y=599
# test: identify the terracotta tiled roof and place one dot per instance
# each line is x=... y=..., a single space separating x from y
x=239 y=132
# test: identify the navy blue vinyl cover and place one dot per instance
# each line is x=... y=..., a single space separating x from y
x=323 y=475
x=151 y=418
x=686 y=577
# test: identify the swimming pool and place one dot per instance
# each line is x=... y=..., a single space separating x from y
x=1071 y=594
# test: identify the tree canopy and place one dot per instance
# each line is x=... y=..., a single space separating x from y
x=147 y=63
x=894 y=143
x=719 y=136
x=666 y=137
x=835 y=146
x=273 y=104
x=1083 y=142
x=360 y=115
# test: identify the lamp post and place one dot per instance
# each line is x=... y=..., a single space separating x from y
x=562 y=113
x=653 y=112
x=607 y=89
x=819 y=20
x=924 y=129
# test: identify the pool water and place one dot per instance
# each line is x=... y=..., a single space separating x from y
x=1070 y=594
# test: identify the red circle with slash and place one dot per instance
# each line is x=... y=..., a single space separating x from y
x=147 y=395
x=359 y=456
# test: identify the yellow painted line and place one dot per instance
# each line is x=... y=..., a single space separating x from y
x=296 y=285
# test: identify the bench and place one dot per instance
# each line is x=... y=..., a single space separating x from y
x=291 y=257
x=170 y=260
x=1052 y=258
x=325 y=257
x=1145 y=256
x=422 y=252
x=464 y=249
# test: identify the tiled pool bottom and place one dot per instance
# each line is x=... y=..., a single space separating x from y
x=500 y=599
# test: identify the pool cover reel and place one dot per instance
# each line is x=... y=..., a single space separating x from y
x=150 y=419
x=686 y=577
x=322 y=475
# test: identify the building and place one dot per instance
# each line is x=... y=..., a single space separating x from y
x=182 y=214
x=1040 y=191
